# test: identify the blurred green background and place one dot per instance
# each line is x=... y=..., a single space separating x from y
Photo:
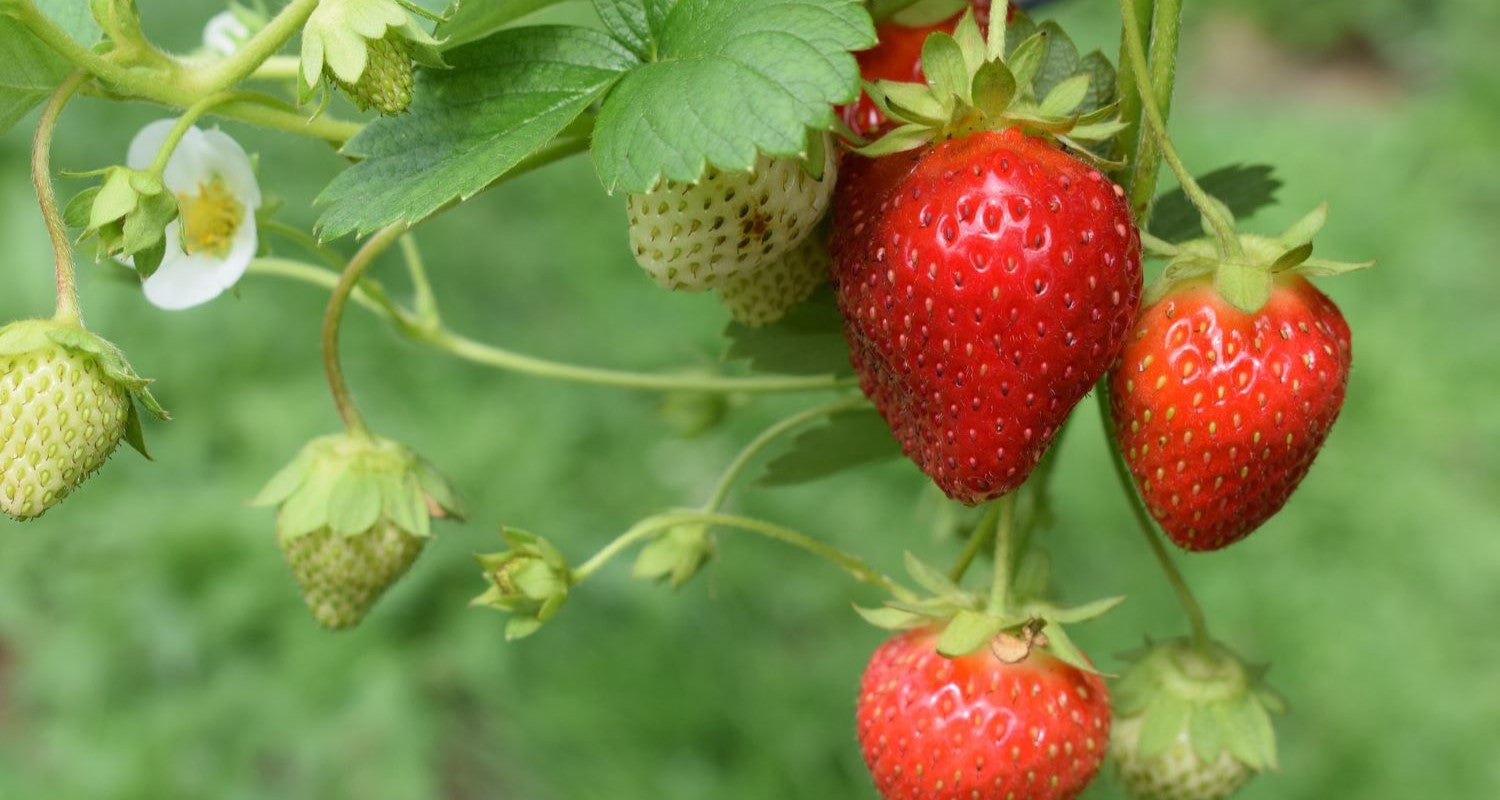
x=153 y=645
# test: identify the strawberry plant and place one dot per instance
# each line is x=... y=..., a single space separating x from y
x=933 y=219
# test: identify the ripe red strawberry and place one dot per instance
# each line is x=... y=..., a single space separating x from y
x=898 y=57
x=976 y=727
x=986 y=283
x=1220 y=412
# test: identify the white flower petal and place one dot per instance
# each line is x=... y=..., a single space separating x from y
x=145 y=144
x=183 y=281
x=231 y=163
x=224 y=33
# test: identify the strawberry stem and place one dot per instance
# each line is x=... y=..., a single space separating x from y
x=769 y=435
x=1213 y=211
x=1162 y=19
x=1190 y=606
x=1005 y=528
x=41 y=175
x=977 y=541
x=334 y=317
x=645 y=529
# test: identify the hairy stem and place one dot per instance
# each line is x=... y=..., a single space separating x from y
x=771 y=434
x=264 y=44
x=861 y=571
x=41 y=177
x=498 y=358
x=1143 y=521
x=180 y=128
x=1212 y=210
x=333 y=319
x=1165 y=21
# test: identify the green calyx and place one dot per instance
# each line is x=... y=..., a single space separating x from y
x=530 y=581
x=127 y=214
x=19 y=338
x=367 y=47
x=1245 y=271
x=1208 y=693
x=1038 y=84
x=350 y=483
x=675 y=555
x=971 y=621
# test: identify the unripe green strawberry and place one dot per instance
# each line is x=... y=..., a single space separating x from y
x=355 y=512
x=765 y=294
x=386 y=84
x=342 y=576
x=65 y=405
x=700 y=236
x=1191 y=723
x=1177 y=773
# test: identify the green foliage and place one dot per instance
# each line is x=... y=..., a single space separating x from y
x=848 y=440
x=788 y=59
x=1244 y=189
x=503 y=100
x=807 y=341
x=472 y=21
x=29 y=69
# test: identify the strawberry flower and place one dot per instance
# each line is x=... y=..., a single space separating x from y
x=211 y=243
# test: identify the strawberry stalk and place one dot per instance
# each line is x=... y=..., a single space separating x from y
x=1005 y=534
x=1215 y=215
x=1196 y=620
x=41 y=175
x=334 y=317
x=1161 y=20
x=767 y=437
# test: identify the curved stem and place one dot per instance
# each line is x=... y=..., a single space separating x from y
x=253 y=53
x=334 y=317
x=278 y=68
x=1143 y=521
x=769 y=435
x=311 y=245
x=41 y=177
x=1005 y=528
x=1211 y=209
x=498 y=358
x=861 y=571
x=981 y=536
x=297 y=270
x=184 y=122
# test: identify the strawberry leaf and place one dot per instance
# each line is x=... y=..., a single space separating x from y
x=807 y=341
x=1244 y=189
x=30 y=70
x=728 y=78
x=476 y=20
x=848 y=440
x=504 y=100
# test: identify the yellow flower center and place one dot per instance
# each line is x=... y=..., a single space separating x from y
x=209 y=219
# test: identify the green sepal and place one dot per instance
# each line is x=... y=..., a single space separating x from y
x=351 y=483
x=1164 y=721
x=1042 y=87
x=967 y=632
x=892 y=619
x=1207 y=694
x=134 y=436
x=1061 y=645
x=531 y=580
x=354 y=503
x=676 y=554
x=931 y=578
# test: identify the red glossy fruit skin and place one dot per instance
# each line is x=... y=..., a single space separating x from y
x=986 y=283
x=976 y=728
x=1220 y=413
x=898 y=57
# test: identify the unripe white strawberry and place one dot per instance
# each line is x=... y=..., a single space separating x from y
x=766 y=293
x=1191 y=723
x=354 y=513
x=386 y=84
x=65 y=406
x=700 y=236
